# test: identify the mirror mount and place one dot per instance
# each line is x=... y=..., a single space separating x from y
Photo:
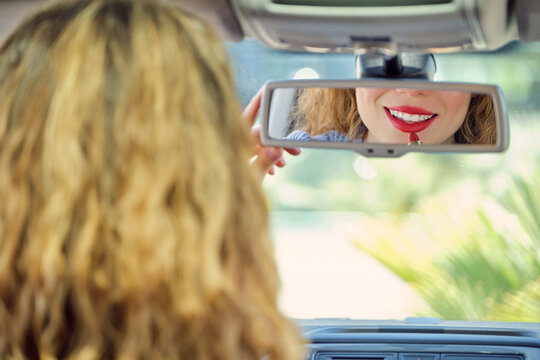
x=392 y=66
x=395 y=66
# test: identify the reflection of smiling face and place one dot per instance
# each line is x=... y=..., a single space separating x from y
x=391 y=114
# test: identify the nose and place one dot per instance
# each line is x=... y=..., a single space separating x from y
x=413 y=92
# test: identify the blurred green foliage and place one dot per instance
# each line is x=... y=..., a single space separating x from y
x=486 y=268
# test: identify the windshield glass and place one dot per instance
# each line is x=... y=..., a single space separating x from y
x=450 y=236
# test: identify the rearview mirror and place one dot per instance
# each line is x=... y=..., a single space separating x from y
x=384 y=117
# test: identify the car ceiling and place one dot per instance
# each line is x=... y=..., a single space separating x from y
x=230 y=20
x=217 y=12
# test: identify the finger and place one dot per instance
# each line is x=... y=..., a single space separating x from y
x=267 y=157
x=281 y=162
x=251 y=110
x=256 y=135
x=256 y=140
x=293 y=151
x=271 y=171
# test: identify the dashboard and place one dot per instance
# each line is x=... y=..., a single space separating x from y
x=420 y=339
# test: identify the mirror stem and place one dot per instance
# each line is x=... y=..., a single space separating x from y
x=392 y=65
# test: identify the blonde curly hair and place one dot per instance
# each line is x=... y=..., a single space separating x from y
x=131 y=225
x=320 y=110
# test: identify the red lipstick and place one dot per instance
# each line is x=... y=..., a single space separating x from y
x=414 y=139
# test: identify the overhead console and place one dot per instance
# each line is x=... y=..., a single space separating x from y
x=401 y=25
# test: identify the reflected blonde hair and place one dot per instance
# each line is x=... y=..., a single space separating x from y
x=131 y=225
x=320 y=110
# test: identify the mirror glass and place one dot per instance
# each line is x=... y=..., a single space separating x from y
x=389 y=115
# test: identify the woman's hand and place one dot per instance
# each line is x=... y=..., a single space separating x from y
x=267 y=157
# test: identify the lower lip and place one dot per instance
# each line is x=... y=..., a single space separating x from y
x=409 y=127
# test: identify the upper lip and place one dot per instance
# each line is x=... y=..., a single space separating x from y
x=411 y=110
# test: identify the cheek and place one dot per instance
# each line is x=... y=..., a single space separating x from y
x=369 y=95
x=457 y=105
x=366 y=101
x=456 y=101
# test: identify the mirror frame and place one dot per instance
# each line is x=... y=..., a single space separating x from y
x=390 y=150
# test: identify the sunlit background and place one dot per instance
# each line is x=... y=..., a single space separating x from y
x=451 y=236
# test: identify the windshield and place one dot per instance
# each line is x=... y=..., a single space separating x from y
x=449 y=236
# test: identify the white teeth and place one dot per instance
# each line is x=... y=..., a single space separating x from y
x=410 y=117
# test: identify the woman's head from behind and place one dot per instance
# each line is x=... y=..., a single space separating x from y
x=131 y=224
